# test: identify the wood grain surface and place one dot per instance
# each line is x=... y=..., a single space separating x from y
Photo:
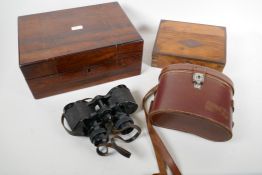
x=181 y=42
x=55 y=58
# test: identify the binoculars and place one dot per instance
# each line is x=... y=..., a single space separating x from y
x=103 y=117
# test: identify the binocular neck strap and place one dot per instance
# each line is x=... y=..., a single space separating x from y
x=162 y=155
x=138 y=132
x=102 y=149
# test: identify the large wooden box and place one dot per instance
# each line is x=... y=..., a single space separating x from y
x=181 y=42
x=70 y=49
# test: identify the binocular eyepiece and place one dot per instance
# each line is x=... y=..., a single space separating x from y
x=102 y=117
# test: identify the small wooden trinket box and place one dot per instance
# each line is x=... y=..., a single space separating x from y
x=70 y=49
x=181 y=42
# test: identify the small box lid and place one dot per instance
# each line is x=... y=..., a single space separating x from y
x=193 y=41
x=50 y=41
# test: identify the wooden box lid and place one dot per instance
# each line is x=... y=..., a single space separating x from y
x=59 y=41
x=197 y=42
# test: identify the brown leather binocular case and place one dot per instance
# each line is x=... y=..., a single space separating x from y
x=193 y=99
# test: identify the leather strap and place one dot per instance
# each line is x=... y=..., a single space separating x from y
x=113 y=144
x=138 y=132
x=162 y=155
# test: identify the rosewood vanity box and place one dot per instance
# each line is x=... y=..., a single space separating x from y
x=193 y=99
x=182 y=42
x=70 y=49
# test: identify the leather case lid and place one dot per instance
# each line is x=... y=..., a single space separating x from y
x=196 y=68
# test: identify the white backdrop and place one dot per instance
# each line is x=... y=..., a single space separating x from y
x=32 y=140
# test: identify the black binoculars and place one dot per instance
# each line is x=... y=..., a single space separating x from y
x=103 y=117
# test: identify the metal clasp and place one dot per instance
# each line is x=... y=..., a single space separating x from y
x=198 y=80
